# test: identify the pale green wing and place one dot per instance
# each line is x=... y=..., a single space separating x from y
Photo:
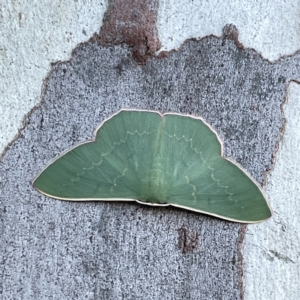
x=202 y=180
x=157 y=160
x=111 y=167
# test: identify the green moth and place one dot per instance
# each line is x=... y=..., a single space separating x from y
x=160 y=160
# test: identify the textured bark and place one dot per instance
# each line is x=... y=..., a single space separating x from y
x=134 y=23
x=53 y=249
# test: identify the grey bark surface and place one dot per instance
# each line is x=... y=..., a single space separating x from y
x=53 y=249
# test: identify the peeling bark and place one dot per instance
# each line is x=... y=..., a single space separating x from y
x=134 y=23
x=119 y=250
x=231 y=32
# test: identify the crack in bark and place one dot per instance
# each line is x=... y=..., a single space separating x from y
x=188 y=241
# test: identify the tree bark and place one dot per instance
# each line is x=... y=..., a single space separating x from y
x=53 y=249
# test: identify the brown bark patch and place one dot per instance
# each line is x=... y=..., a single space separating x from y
x=134 y=23
x=188 y=240
x=231 y=32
